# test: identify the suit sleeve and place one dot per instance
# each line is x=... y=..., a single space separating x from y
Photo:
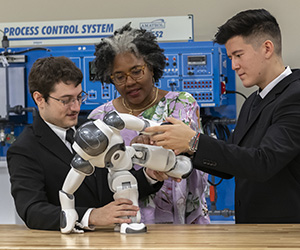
x=36 y=176
x=271 y=144
x=28 y=190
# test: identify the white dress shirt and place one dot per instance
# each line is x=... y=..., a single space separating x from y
x=272 y=84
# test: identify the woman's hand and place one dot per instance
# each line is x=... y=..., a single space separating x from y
x=143 y=139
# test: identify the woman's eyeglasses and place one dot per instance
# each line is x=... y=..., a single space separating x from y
x=136 y=73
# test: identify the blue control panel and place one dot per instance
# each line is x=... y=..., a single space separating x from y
x=200 y=68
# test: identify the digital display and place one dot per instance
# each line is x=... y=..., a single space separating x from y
x=196 y=60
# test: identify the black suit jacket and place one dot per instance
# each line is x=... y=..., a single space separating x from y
x=264 y=156
x=38 y=163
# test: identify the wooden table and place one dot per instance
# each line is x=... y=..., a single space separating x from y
x=158 y=237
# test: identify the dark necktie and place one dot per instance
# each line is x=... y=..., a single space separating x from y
x=255 y=104
x=70 y=135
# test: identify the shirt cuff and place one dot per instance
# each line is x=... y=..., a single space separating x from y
x=85 y=220
x=149 y=179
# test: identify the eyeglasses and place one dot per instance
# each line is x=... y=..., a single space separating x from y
x=68 y=102
x=136 y=73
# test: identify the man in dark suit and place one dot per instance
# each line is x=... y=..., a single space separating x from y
x=263 y=152
x=39 y=160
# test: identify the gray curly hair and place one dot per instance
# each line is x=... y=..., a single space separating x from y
x=141 y=43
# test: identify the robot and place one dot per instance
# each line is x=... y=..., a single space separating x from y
x=99 y=144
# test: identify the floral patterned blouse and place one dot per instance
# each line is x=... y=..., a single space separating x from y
x=178 y=203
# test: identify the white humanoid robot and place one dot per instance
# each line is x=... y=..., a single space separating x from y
x=99 y=144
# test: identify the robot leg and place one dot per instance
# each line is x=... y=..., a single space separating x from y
x=161 y=159
x=76 y=175
x=124 y=185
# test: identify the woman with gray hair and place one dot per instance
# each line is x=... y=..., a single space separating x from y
x=132 y=60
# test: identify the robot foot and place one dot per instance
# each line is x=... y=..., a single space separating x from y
x=132 y=228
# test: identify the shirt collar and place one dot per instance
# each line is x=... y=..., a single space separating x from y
x=272 y=84
x=59 y=131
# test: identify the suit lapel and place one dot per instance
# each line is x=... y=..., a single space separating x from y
x=51 y=141
x=55 y=145
x=244 y=124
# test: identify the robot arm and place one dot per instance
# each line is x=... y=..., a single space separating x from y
x=68 y=218
x=161 y=159
x=121 y=121
x=156 y=158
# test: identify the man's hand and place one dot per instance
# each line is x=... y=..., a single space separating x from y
x=176 y=136
x=111 y=213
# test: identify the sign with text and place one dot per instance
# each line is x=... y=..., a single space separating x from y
x=173 y=28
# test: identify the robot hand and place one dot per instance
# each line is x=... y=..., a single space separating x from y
x=163 y=160
x=69 y=216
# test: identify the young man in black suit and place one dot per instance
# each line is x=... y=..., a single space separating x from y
x=263 y=152
x=39 y=160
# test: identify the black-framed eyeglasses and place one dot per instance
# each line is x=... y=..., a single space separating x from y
x=68 y=101
x=136 y=73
